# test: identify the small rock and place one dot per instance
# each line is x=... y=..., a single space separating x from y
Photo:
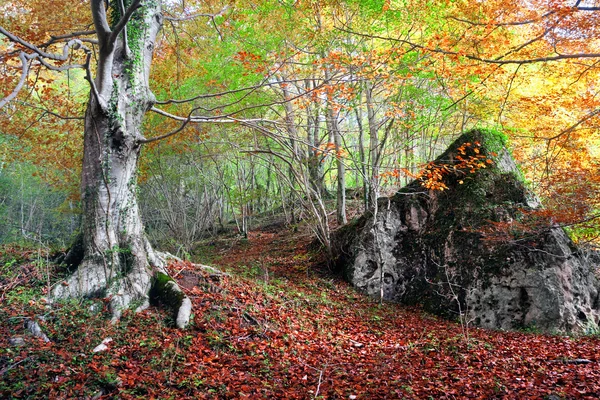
x=95 y=308
x=35 y=330
x=16 y=341
x=102 y=346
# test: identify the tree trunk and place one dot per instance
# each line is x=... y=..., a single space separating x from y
x=362 y=158
x=341 y=168
x=313 y=141
x=373 y=147
x=292 y=131
x=118 y=260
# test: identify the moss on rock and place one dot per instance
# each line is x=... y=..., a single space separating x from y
x=433 y=247
x=165 y=292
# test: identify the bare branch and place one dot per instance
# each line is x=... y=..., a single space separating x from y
x=75 y=43
x=72 y=35
x=24 y=72
x=88 y=77
x=586 y=8
x=218 y=119
x=499 y=61
x=61 y=67
x=197 y=15
x=166 y=135
x=264 y=83
x=570 y=129
x=529 y=42
x=195 y=120
x=43 y=57
x=510 y=85
x=515 y=23
x=187 y=17
x=125 y=44
x=45 y=112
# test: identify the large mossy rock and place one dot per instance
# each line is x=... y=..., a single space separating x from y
x=437 y=249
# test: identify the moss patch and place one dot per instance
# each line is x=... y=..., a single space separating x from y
x=164 y=292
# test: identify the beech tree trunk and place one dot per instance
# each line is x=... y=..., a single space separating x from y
x=373 y=148
x=313 y=141
x=341 y=168
x=118 y=260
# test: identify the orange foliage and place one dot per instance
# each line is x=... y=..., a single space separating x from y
x=468 y=160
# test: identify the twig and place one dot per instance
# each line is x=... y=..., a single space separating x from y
x=321 y=372
x=319 y=384
x=173 y=360
x=5 y=370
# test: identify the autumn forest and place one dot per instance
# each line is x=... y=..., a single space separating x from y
x=339 y=199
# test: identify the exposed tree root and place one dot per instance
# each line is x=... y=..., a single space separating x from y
x=165 y=291
x=146 y=278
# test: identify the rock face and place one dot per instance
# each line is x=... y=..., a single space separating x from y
x=440 y=249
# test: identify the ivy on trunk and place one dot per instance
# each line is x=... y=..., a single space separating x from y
x=118 y=260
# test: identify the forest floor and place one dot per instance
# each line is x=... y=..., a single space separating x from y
x=278 y=326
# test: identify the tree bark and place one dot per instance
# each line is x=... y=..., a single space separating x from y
x=362 y=158
x=313 y=141
x=118 y=260
x=334 y=130
x=374 y=149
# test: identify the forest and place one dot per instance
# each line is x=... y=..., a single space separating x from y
x=299 y=199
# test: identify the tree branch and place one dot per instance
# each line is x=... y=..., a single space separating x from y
x=166 y=135
x=498 y=61
x=515 y=23
x=218 y=119
x=195 y=120
x=72 y=35
x=264 y=83
x=100 y=22
x=570 y=129
x=24 y=73
x=125 y=41
x=45 y=111
x=42 y=56
x=94 y=89
x=75 y=43
x=193 y=16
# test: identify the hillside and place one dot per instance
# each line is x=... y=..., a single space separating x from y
x=278 y=325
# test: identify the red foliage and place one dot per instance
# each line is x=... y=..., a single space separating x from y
x=286 y=331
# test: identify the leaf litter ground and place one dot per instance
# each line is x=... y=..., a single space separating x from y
x=276 y=327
